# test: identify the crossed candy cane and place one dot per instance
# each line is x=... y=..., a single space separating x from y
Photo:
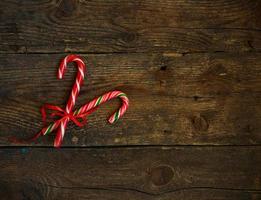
x=81 y=113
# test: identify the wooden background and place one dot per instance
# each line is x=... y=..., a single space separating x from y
x=192 y=71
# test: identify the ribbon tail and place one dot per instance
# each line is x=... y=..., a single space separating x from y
x=36 y=136
x=26 y=141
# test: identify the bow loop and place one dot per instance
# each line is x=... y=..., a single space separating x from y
x=45 y=107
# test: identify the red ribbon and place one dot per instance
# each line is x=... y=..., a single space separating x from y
x=62 y=113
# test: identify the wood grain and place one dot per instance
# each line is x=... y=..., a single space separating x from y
x=193 y=99
x=111 y=173
x=191 y=70
x=129 y=26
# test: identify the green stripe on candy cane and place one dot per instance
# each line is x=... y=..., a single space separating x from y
x=122 y=95
x=98 y=100
x=76 y=112
x=49 y=129
x=116 y=116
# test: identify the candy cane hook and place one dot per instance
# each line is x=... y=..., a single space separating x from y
x=78 y=81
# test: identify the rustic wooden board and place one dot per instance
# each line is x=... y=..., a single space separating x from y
x=133 y=173
x=191 y=99
x=130 y=26
x=191 y=70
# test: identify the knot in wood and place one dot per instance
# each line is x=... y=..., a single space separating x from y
x=161 y=175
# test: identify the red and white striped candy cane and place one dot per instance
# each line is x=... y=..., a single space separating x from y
x=74 y=93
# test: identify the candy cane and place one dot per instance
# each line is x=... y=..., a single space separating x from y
x=81 y=113
x=74 y=93
x=102 y=99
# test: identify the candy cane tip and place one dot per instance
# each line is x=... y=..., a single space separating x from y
x=111 y=120
x=57 y=144
x=60 y=75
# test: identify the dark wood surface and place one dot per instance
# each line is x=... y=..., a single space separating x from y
x=131 y=173
x=192 y=99
x=192 y=71
x=129 y=26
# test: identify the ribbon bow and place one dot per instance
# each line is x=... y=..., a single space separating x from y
x=60 y=112
x=81 y=113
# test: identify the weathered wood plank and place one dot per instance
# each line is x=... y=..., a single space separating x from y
x=183 y=173
x=193 y=99
x=130 y=26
